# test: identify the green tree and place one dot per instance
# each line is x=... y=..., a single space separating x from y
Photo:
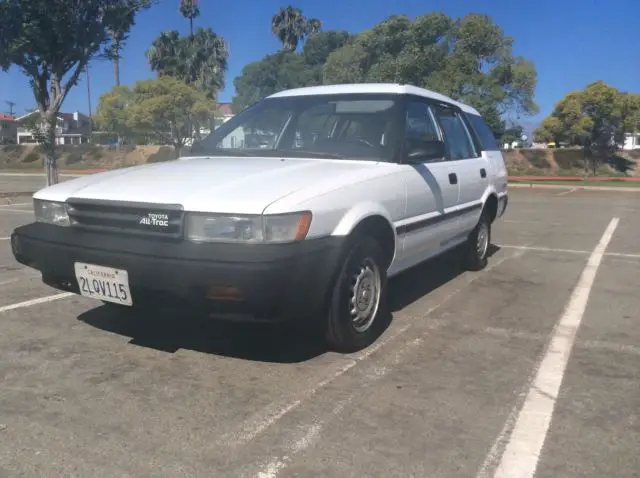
x=291 y=27
x=189 y=10
x=469 y=59
x=112 y=113
x=51 y=42
x=168 y=109
x=284 y=70
x=512 y=134
x=595 y=119
x=200 y=60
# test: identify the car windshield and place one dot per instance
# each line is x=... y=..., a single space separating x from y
x=359 y=126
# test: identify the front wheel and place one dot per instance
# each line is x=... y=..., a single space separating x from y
x=358 y=309
x=478 y=242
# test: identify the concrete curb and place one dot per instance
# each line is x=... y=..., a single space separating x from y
x=576 y=187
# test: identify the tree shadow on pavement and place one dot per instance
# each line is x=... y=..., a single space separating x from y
x=170 y=330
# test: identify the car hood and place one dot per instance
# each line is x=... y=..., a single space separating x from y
x=242 y=185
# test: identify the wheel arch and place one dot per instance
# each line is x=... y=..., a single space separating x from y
x=372 y=220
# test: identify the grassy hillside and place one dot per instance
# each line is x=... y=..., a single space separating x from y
x=568 y=162
x=538 y=162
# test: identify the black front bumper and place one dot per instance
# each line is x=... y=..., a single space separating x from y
x=270 y=281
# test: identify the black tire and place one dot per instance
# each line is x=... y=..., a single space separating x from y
x=364 y=259
x=476 y=250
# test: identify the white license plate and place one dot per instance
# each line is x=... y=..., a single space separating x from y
x=103 y=283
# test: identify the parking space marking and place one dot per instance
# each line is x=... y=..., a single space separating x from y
x=16 y=204
x=567 y=192
x=523 y=448
x=313 y=430
x=542 y=249
x=620 y=254
x=568 y=251
x=584 y=344
x=23 y=211
x=4 y=238
x=268 y=416
x=40 y=300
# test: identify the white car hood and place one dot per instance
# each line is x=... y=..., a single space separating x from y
x=242 y=185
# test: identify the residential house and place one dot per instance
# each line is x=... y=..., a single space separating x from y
x=8 y=129
x=71 y=128
x=223 y=113
x=631 y=141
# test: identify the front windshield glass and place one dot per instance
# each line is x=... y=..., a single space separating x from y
x=316 y=126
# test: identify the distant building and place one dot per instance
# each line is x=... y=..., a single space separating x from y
x=8 y=129
x=223 y=113
x=71 y=128
x=631 y=141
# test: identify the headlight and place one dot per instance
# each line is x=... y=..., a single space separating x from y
x=225 y=228
x=51 y=212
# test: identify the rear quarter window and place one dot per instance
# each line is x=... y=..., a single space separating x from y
x=484 y=133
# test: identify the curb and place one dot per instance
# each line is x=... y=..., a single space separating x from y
x=576 y=187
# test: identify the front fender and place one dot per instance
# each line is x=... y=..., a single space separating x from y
x=357 y=214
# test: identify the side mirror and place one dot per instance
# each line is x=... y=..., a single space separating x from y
x=427 y=151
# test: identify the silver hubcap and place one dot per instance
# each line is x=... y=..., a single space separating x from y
x=482 y=244
x=365 y=295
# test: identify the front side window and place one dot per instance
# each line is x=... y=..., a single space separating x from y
x=456 y=137
x=346 y=126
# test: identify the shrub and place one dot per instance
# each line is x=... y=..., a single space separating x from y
x=73 y=158
x=31 y=157
x=165 y=153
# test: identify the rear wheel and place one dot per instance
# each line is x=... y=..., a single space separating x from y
x=478 y=242
x=358 y=309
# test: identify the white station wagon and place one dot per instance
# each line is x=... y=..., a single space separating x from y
x=298 y=208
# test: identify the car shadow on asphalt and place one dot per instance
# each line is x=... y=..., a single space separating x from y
x=172 y=330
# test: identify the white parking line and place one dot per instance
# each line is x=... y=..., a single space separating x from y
x=40 y=300
x=4 y=238
x=314 y=429
x=23 y=211
x=542 y=249
x=522 y=452
x=16 y=204
x=568 y=251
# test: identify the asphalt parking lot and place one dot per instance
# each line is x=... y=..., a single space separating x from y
x=531 y=366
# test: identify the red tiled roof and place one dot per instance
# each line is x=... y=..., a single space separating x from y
x=4 y=117
x=224 y=109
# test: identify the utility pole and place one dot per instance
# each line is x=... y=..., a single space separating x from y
x=89 y=99
x=11 y=105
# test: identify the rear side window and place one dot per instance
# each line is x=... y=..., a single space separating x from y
x=485 y=135
x=455 y=134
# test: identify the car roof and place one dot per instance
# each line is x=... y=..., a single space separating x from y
x=393 y=88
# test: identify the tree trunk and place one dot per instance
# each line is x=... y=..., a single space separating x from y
x=49 y=136
x=116 y=70
x=191 y=26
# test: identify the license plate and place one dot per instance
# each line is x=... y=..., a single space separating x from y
x=103 y=283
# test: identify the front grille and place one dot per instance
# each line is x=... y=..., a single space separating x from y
x=159 y=220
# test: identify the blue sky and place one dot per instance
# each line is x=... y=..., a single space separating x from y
x=571 y=42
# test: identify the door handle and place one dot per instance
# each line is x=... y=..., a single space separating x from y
x=483 y=173
x=453 y=178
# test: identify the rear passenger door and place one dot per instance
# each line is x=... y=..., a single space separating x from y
x=432 y=189
x=472 y=169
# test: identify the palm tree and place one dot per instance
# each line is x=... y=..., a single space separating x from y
x=119 y=34
x=117 y=39
x=189 y=9
x=291 y=26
